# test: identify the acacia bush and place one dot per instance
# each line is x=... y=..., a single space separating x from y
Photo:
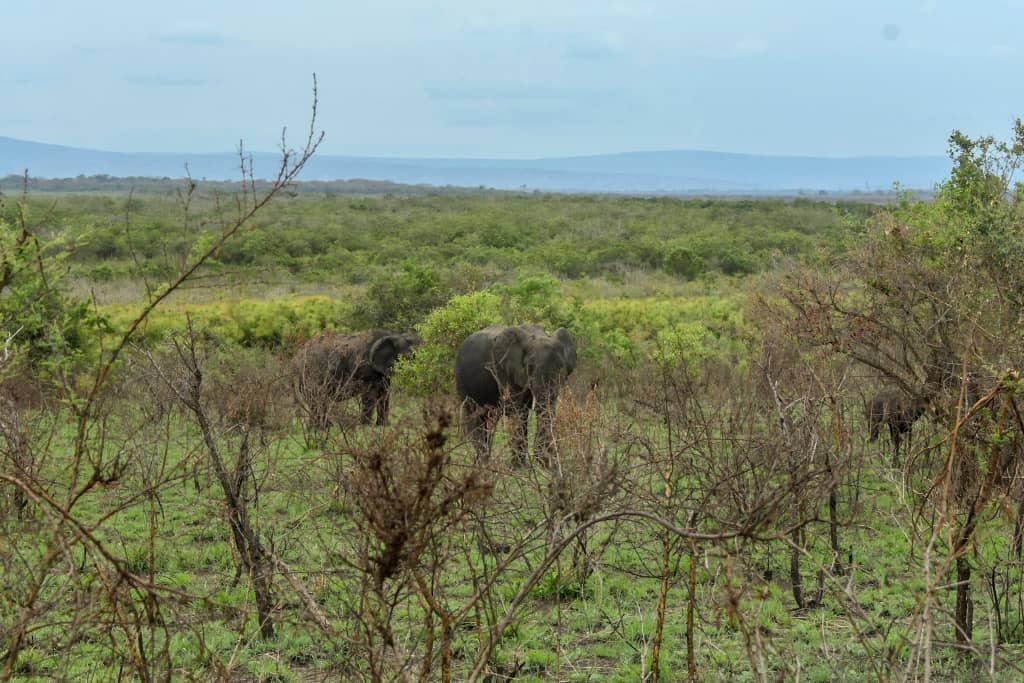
x=399 y=300
x=431 y=369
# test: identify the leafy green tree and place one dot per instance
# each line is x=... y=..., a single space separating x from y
x=537 y=300
x=931 y=300
x=682 y=261
x=400 y=300
x=52 y=330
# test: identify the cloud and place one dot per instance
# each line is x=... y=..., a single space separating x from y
x=517 y=105
x=630 y=10
x=1002 y=51
x=509 y=92
x=165 y=81
x=33 y=80
x=596 y=48
x=192 y=36
x=509 y=116
x=748 y=46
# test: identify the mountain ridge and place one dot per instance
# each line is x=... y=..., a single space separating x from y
x=662 y=172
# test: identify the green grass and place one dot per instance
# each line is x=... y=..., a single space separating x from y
x=605 y=624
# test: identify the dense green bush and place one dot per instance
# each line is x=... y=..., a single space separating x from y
x=682 y=261
x=609 y=333
x=48 y=329
x=364 y=240
x=399 y=300
x=431 y=369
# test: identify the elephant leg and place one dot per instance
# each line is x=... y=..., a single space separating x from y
x=369 y=403
x=518 y=421
x=478 y=422
x=897 y=439
x=383 y=406
x=544 y=445
x=317 y=421
x=910 y=441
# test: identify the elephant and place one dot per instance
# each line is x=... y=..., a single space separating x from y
x=895 y=409
x=336 y=367
x=511 y=370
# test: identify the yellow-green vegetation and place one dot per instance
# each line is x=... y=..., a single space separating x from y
x=277 y=324
x=714 y=509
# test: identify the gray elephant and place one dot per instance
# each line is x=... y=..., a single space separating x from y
x=511 y=370
x=336 y=367
x=897 y=411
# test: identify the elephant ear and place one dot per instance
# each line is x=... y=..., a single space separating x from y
x=509 y=358
x=412 y=340
x=568 y=349
x=383 y=354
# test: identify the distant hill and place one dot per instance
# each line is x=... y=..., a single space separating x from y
x=670 y=172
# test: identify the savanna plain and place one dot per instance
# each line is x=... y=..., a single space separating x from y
x=715 y=506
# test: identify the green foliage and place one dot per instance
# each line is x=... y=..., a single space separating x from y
x=271 y=324
x=628 y=330
x=537 y=300
x=685 y=344
x=363 y=240
x=431 y=369
x=399 y=300
x=54 y=332
x=735 y=260
x=564 y=588
x=682 y=261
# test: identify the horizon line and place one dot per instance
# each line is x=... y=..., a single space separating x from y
x=495 y=158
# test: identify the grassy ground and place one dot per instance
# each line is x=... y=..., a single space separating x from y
x=598 y=629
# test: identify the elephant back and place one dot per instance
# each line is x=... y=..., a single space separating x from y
x=500 y=362
x=322 y=365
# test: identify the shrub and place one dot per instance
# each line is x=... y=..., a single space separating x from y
x=56 y=331
x=266 y=324
x=682 y=261
x=537 y=300
x=400 y=300
x=431 y=369
x=734 y=261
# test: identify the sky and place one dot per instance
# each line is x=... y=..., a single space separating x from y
x=516 y=79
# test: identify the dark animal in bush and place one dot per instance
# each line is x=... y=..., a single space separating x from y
x=512 y=370
x=896 y=410
x=336 y=367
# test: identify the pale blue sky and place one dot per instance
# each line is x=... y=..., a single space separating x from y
x=528 y=78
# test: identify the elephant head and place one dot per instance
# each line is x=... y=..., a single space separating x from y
x=385 y=351
x=526 y=359
x=515 y=370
